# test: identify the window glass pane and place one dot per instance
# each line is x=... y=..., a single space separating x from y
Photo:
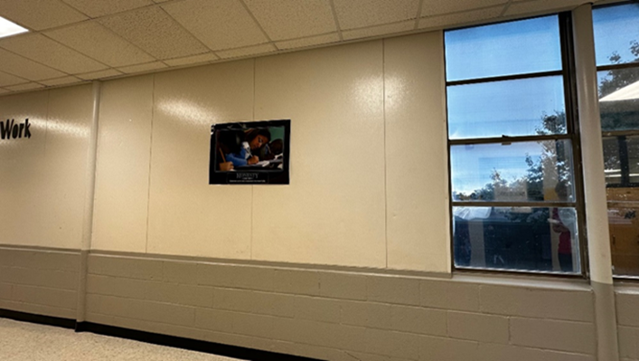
x=516 y=238
x=616 y=34
x=619 y=99
x=513 y=108
x=633 y=159
x=517 y=47
x=621 y=160
x=612 y=164
x=623 y=220
x=518 y=172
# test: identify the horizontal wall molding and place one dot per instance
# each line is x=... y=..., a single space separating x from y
x=527 y=280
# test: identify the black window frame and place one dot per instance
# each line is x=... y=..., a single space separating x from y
x=572 y=134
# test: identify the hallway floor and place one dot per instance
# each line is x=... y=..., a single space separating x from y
x=21 y=341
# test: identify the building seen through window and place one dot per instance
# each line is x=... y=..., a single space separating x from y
x=515 y=203
x=617 y=53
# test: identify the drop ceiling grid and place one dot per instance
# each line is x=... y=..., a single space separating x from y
x=95 y=9
x=39 y=48
x=113 y=50
x=79 y=40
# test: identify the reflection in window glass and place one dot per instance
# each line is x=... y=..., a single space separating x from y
x=518 y=47
x=632 y=144
x=619 y=99
x=621 y=161
x=624 y=231
x=612 y=164
x=617 y=44
x=616 y=34
x=517 y=172
x=516 y=238
x=513 y=108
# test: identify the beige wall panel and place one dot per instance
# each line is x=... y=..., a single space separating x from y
x=333 y=210
x=122 y=175
x=187 y=216
x=68 y=132
x=44 y=178
x=416 y=153
x=21 y=176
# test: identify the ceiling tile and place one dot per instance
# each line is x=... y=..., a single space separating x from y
x=100 y=8
x=301 y=43
x=458 y=19
x=220 y=24
x=541 y=6
x=155 y=32
x=291 y=19
x=39 y=14
x=439 y=7
x=251 y=50
x=113 y=50
x=142 y=67
x=99 y=74
x=25 y=68
x=8 y=79
x=28 y=86
x=379 y=30
x=195 y=59
x=46 y=51
x=362 y=13
x=60 y=81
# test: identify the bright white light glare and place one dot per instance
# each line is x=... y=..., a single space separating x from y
x=7 y=28
x=626 y=93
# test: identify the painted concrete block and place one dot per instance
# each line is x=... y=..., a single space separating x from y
x=342 y=285
x=146 y=269
x=478 y=327
x=179 y=272
x=296 y=282
x=418 y=320
x=627 y=309
x=393 y=289
x=496 y=352
x=318 y=309
x=366 y=314
x=554 y=335
x=537 y=302
x=447 y=294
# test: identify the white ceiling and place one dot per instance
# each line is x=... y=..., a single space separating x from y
x=72 y=41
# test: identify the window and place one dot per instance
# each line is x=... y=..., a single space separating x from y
x=511 y=138
x=617 y=54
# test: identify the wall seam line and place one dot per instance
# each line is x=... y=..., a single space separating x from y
x=148 y=194
x=385 y=150
x=252 y=187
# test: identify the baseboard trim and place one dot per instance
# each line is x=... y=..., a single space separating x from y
x=33 y=318
x=219 y=349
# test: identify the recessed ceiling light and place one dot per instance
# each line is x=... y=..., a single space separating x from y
x=7 y=28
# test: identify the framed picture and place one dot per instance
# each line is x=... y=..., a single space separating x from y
x=250 y=152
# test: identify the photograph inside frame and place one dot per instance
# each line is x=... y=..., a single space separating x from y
x=250 y=153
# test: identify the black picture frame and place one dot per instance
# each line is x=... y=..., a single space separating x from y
x=230 y=146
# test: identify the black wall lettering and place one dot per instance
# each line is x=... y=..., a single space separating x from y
x=10 y=129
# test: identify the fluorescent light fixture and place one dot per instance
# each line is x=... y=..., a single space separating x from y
x=7 y=28
x=628 y=92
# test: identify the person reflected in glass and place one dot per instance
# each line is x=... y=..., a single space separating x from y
x=563 y=222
